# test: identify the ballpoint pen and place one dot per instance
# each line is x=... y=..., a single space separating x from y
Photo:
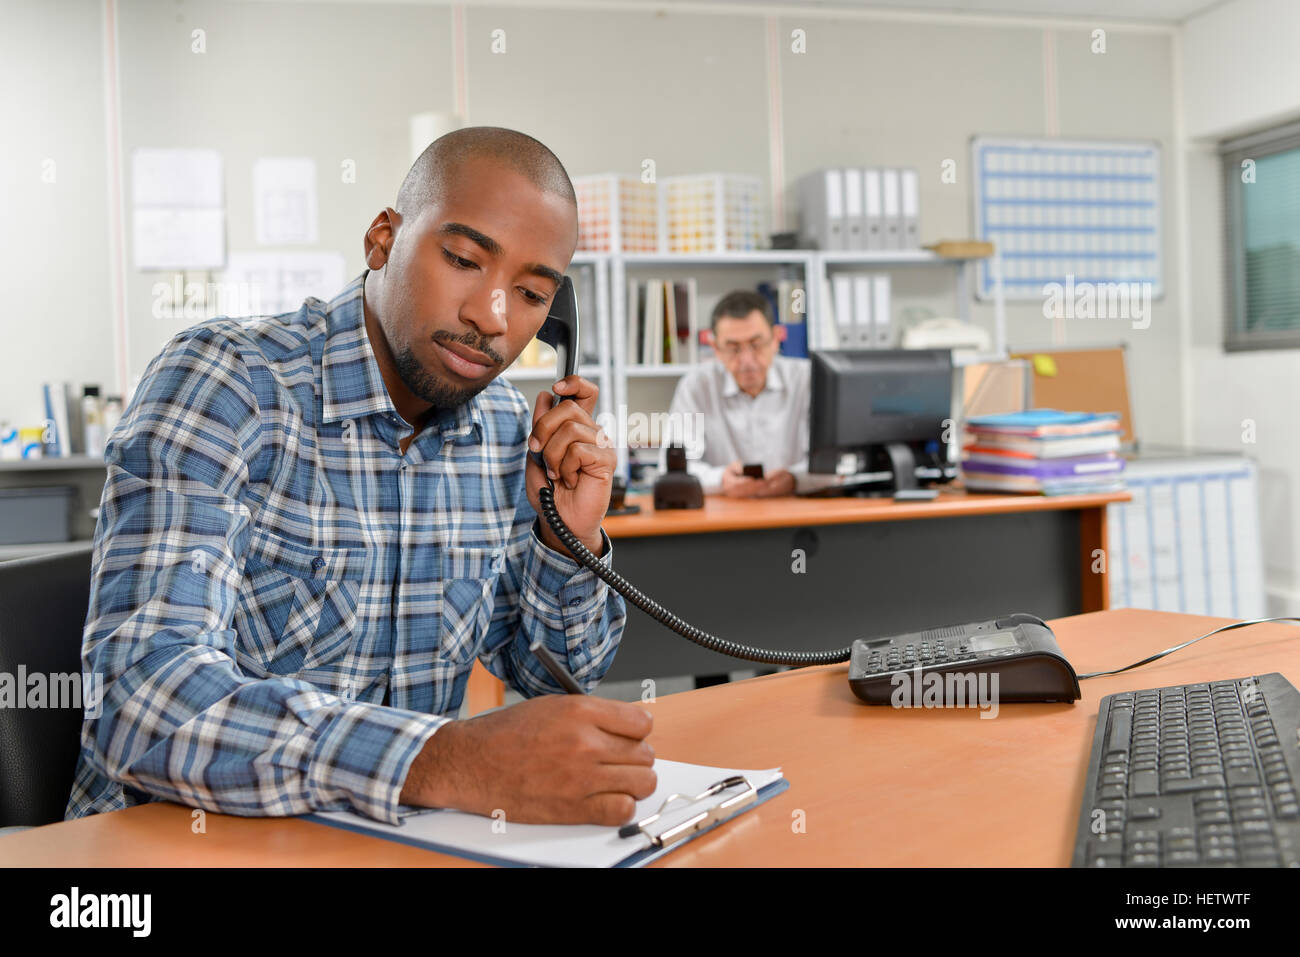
x=557 y=670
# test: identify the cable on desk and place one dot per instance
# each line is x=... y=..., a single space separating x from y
x=1168 y=651
x=546 y=496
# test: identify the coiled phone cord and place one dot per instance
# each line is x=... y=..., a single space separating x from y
x=546 y=495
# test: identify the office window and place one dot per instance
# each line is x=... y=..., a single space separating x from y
x=1262 y=215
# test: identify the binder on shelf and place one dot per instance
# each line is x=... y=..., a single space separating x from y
x=873 y=210
x=683 y=302
x=821 y=204
x=76 y=435
x=791 y=296
x=634 y=321
x=693 y=311
x=911 y=223
x=843 y=300
x=672 y=347
x=854 y=238
x=891 y=206
x=882 y=329
x=652 y=349
x=828 y=336
x=56 y=414
x=864 y=336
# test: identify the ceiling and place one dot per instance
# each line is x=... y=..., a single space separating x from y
x=1167 y=11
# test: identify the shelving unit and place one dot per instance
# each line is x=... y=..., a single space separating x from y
x=86 y=473
x=923 y=257
x=816 y=266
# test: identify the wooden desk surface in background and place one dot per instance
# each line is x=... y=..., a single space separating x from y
x=875 y=786
x=721 y=514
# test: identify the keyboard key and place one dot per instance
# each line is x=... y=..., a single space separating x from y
x=1237 y=776
x=1144 y=784
x=1198 y=783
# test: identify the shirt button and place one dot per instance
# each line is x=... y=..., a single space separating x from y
x=574 y=601
x=318 y=563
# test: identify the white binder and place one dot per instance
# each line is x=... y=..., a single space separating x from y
x=882 y=328
x=891 y=190
x=855 y=239
x=911 y=229
x=844 y=325
x=821 y=203
x=873 y=209
x=864 y=335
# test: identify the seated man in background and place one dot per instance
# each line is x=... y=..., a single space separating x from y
x=754 y=404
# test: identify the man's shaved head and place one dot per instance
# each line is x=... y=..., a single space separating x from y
x=435 y=169
x=462 y=272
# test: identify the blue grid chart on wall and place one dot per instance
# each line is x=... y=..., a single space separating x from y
x=1067 y=212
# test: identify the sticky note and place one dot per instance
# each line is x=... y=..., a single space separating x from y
x=1044 y=365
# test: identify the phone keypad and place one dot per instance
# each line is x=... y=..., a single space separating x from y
x=884 y=659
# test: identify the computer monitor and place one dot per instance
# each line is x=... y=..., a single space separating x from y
x=879 y=417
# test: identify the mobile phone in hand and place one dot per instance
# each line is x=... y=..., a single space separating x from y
x=753 y=471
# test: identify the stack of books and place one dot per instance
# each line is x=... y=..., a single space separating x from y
x=1044 y=452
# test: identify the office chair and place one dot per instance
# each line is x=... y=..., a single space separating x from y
x=43 y=603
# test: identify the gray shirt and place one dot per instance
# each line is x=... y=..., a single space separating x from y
x=770 y=428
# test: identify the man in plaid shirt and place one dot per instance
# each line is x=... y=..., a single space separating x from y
x=315 y=523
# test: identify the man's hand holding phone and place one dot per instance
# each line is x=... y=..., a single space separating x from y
x=579 y=459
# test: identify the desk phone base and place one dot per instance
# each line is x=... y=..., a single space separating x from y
x=1020 y=649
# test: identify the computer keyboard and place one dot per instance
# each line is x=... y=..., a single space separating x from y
x=1197 y=775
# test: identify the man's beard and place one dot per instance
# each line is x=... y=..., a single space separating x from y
x=438 y=392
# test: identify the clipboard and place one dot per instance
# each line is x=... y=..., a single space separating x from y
x=502 y=843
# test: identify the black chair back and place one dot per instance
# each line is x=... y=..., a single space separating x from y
x=43 y=604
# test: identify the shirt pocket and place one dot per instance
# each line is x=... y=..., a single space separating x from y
x=469 y=580
x=297 y=608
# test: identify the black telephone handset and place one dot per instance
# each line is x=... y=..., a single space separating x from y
x=560 y=332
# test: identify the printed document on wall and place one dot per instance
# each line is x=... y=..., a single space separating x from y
x=178 y=210
x=284 y=201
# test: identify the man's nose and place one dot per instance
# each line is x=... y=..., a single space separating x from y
x=486 y=311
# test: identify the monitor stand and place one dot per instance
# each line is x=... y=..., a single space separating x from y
x=901 y=482
x=903 y=464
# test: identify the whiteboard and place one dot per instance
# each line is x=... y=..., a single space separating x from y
x=1067 y=212
x=1189 y=540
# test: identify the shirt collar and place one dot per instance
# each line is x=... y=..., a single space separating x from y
x=351 y=384
x=772 y=383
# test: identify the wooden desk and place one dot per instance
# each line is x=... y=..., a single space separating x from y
x=874 y=786
x=721 y=514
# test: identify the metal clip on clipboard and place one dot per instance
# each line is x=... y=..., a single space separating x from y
x=698 y=821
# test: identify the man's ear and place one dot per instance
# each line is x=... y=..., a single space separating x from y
x=380 y=236
x=778 y=331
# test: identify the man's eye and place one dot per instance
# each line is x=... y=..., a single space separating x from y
x=533 y=297
x=458 y=261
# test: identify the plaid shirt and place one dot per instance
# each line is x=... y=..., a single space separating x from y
x=285 y=608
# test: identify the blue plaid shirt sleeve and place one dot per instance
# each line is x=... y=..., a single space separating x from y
x=548 y=596
x=180 y=720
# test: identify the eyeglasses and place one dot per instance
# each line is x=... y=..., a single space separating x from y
x=733 y=350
